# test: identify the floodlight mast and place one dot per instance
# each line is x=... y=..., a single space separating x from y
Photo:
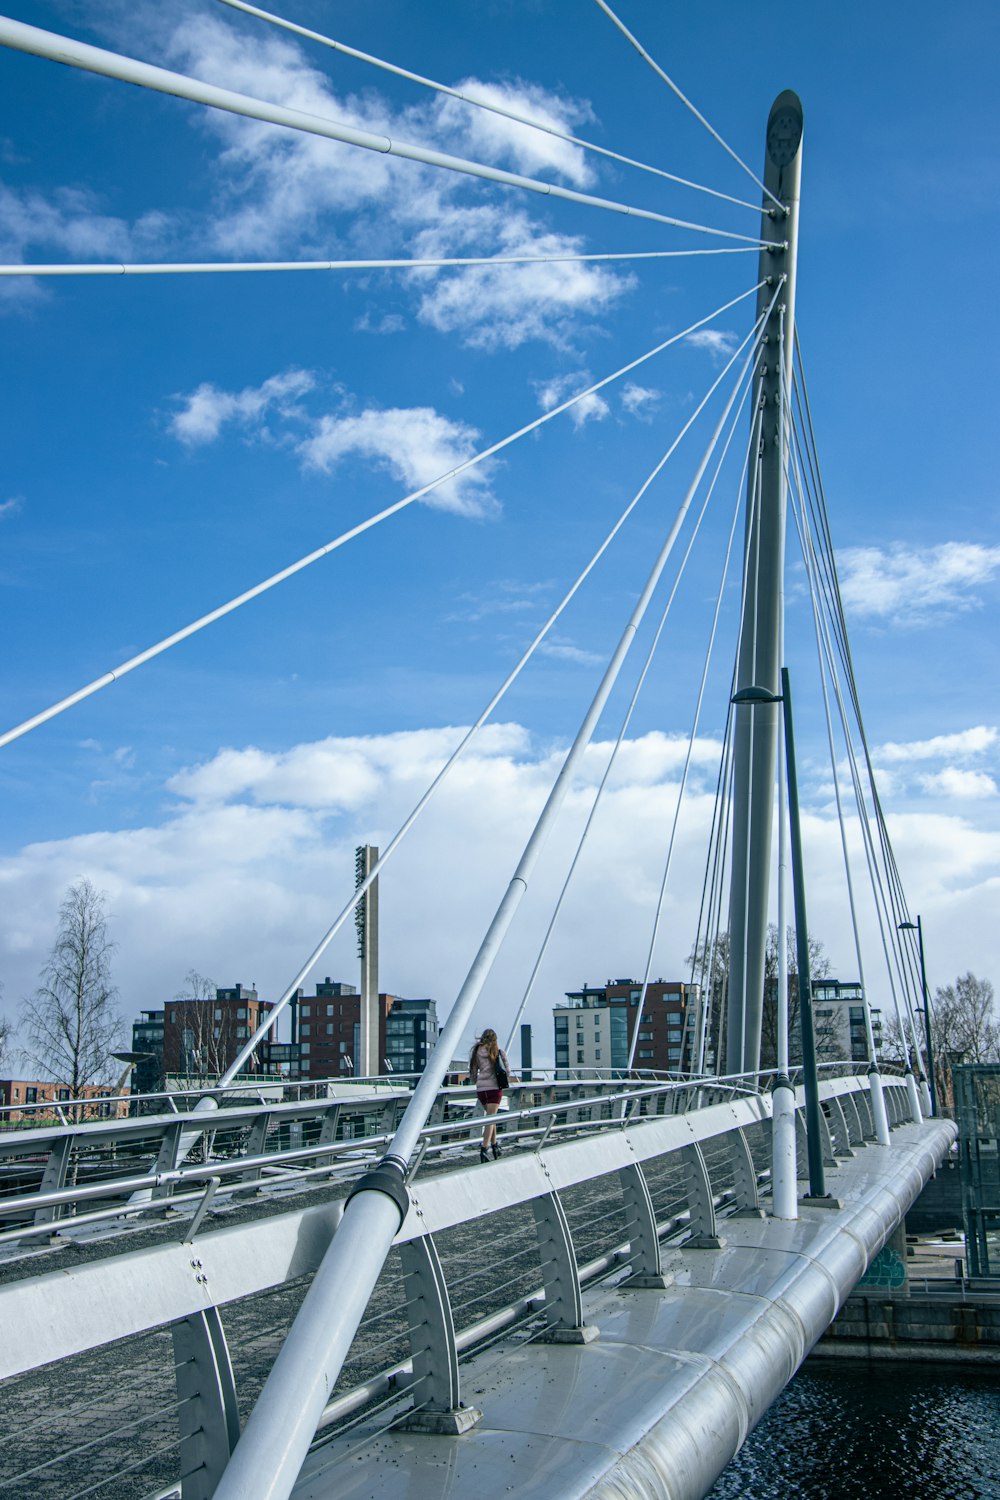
x=756 y=728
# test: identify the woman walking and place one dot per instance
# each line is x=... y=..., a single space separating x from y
x=489 y=1070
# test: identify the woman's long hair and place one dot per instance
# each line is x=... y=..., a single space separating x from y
x=489 y=1041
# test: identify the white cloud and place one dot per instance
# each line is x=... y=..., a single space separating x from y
x=561 y=650
x=505 y=306
x=719 y=342
x=480 y=135
x=592 y=408
x=416 y=445
x=255 y=853
x=965 y=742
x=287 y=189
x=639 y=400
x=11 y=507
x=505 y=597
x=387 y=323
x=963 y=784
x=66 y=223
x=208 y=409
x=910 y=585
x=282 y=192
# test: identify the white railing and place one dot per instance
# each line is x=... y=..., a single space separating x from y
x=589 y=1184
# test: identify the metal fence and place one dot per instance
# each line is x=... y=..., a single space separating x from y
x=977 y=1111
x=129 y=1375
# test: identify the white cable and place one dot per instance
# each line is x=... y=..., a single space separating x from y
x=113 y=675
x=687 y=102
x=167 y=268
x=75 y=54
x=495 y=109
x=809 y=557
x=405 y=1140
x=658 y=913
x=867 y=841
x=622 y=732
x=269 y=1020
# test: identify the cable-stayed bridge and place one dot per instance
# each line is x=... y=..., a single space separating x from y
x=612 y=1305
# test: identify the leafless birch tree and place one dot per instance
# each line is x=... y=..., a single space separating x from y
x=71 y=1023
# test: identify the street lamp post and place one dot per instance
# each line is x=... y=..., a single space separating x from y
x=810 y=1077
x=918 y=928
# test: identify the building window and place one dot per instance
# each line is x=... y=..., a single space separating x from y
x=329 y=1028
x=645 y=1036
x=304 y=1049
x=216 y=1032
x=241 y=1013
x=31 y=1096
x=241 y=1032
x=304 y=1009
x=645 y=1051
x=306 y=1030
x=580 y=1055
x=329 y=1010
x=218 y=1015
x=597 y=1054
x=63 y=1095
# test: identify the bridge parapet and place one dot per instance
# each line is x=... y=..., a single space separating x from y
x=482 y=1251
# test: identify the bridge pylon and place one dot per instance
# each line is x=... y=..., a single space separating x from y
x=758 y=663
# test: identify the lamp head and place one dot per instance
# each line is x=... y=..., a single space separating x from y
x=754 y=695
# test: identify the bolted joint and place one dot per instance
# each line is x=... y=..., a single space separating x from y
x=385 y=1178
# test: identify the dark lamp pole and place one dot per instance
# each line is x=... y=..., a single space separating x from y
x=918 y=928
x=810 y=1077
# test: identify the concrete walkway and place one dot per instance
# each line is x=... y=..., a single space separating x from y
x=663 y=1398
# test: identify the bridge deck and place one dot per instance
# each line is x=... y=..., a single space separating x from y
x=665 y=1395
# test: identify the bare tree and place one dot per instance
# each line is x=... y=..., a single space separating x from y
x=6 y=1032
x=71 y=1024
x=710 y=965
x=205 y=1043
x=819 y=968
x=964 y=1029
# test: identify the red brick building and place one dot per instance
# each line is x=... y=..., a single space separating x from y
x=594 y=1029
x=18 y=1092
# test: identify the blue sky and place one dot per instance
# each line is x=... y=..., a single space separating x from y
x=171 y=440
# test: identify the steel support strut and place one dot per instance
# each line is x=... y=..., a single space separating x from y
x=756 y=730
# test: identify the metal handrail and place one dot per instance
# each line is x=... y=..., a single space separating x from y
x=29 y=1202
x=354 y=1156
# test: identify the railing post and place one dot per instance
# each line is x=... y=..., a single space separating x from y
x=328 y=1129
x=208 y=1416
x=560 y=1278
x=640 y=1226
x=701 y=1205
x=169 y=1153
x=875 y=1103
x=54 y=1176
x=255 y=1143
x=436 y=1405
x=842 y=1144
x=744 y=1176
x=826 y=1139
x=855 y=1124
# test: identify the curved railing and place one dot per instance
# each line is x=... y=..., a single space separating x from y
x=187 y=1321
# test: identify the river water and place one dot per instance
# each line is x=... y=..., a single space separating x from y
x=881 y=1432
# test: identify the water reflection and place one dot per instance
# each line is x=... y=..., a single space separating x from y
x=881 y=1432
